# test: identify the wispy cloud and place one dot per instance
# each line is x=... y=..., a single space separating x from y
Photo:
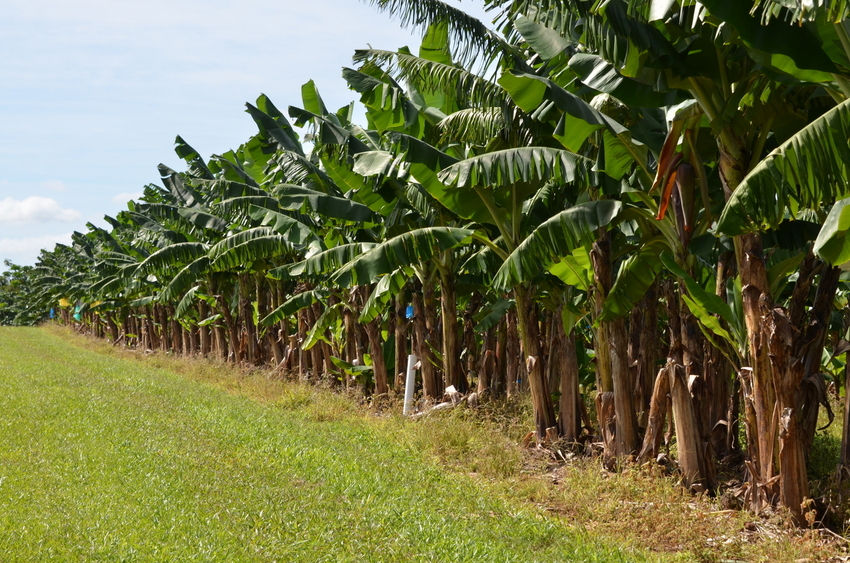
x=20 y=250
x=35 y=209
x=124 y=197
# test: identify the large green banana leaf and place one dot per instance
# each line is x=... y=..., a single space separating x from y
x=175 y=254
x=383 y=293
x=637 y=274
x=557 y=237
x=546 y=42
x=599 y=74
x=293 y=305
x=407 y=249
x=295 y=198
x=523 y=165
x=297 y=233
x=323 y=262
x=809 y=170
x=274 y=125
x=251 y=245
x=833 y=242
x=789 y=48
x=185 y=279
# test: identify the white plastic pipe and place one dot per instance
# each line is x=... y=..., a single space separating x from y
x=409 y=385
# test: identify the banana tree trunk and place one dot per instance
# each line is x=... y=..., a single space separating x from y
x=544 y=413
x=487 y=362
x=512 y=354
x=162 y=317
x=401 y=338
x=150 y=333
x=643 y=345
x=612 y=359
x=429 y=305
x=314 y=312
x=423 y=350
x=379 y=367
x=812 y=341
x=569 y=419
x=452 y=371
x=204 y=331
x=376 y=347
x=246 y=315
x=113 y=328
x=657 y=414
x=692 y=458
x=844 y=462
x=722 y=402
x=498 y=385
x=774 y=378
x=234 y=353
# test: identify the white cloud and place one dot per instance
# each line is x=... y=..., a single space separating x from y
x=23 y=250
x=124 y=197
x=54 y=185
x=35 y=209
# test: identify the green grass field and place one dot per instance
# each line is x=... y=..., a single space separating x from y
x=108 y=459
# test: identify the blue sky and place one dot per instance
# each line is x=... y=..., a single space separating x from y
x=93 y=93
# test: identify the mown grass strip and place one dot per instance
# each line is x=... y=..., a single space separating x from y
x=104 y=459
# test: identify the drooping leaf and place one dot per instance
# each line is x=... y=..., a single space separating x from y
x=425 y=163
x=297 y=233
x=517 y=165
x=470 y=38
x=833 y=242
x=203 y=219
x=185 y=278
x=170 y=256
x=324 y=262
x=809 y=170
x=361 y=188
x=383 y=293
x=318 y=332
x=580 y=119
x=601 y=75
x=637 y=274
x=295 y=197
x=476 y=126
x=211 y=320
x=554 y=239
x=245 y=247
x=705 y=305
x=491 y=314
x=186 y=302
x=293 y=305
x=407 y=249
x=546 y=42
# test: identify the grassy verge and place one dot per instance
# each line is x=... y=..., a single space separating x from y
x=108 y=459
x=461 y=478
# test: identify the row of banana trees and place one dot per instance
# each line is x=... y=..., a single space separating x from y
x=637 y=206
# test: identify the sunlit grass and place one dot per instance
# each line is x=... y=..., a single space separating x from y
x=109 y=459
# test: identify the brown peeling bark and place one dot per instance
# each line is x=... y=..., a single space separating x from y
x=655 y=422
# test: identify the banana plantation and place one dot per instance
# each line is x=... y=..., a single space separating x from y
x=632 y=213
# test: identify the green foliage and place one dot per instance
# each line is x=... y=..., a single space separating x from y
x=17 y=303
x=809 y=170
